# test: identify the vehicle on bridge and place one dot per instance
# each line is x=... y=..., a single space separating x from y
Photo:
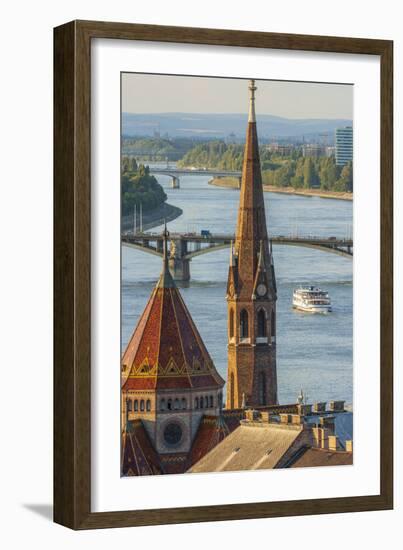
x=205 y=233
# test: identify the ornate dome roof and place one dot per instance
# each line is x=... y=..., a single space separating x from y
x=166 y=350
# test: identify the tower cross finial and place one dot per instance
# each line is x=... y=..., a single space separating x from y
x=252 y=89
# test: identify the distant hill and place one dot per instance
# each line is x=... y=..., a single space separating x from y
x=222 y=125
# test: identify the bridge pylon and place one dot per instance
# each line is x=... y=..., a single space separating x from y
x=179 y=268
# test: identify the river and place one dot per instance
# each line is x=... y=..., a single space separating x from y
x=314 y=352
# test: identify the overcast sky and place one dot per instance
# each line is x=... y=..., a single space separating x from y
x=143 y=93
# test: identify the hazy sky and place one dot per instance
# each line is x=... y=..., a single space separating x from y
x=143 y=93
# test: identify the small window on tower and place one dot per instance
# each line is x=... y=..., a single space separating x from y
x=196 y=403
x=231 y=323
x=136 y=405
x=148 y=405
x=244 y=324
x=261 y=323
x=142 y=405
x=184 y=404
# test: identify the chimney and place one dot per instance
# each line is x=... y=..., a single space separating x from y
x=297 y=419
x=333 y=443
x=265 y=416
x=285 y=418
x=319 y=407
x=336 y=406
x=320 y=437
x=251 y=415
x=349 y=445
x=304 y=409
x=327 y=422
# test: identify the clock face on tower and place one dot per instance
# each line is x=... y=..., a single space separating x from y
x=261 y=290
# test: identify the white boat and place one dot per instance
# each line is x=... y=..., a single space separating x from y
x=311 y=299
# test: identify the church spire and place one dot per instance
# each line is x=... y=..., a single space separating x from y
x=251 y=288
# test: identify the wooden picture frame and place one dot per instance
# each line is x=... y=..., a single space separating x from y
x=72 y=272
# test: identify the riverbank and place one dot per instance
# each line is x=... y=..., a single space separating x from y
x=153 y=218
x=233 y=183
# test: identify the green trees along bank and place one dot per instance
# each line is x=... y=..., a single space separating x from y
x=138 y=186
x=307 y=173
x=295 y=170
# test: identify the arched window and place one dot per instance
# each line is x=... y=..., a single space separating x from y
x=142 y=405
x=273 y=324
x=169 y=406
x=244 y=324
x=231 y=323
x=136 y=405
x=211 y=401
x=129 y=405
x=262 y=389
x=261 y=323
x=232 y=390
x=206 y=401
x=196 y=403
x=162 y=405
x=184 y=404
x=176 y=404
x=201 y=402
x=148 y=405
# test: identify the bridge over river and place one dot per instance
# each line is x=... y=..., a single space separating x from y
x=185 y=246
x=175 y=173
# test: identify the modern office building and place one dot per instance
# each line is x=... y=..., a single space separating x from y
x=344 y=145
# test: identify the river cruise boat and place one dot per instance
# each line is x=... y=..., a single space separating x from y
x=311 y=299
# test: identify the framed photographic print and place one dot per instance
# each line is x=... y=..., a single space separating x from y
x=223 y=275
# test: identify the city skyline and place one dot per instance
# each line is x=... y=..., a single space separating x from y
x=207 y=95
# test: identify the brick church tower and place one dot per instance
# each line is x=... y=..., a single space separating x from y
x=251 y=290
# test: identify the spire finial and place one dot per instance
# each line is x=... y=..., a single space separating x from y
x=252 y=89
x=165 y=280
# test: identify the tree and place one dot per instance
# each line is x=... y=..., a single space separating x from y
x=310 y=175
x=345 y=182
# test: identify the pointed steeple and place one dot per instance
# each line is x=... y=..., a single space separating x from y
x=251 y=289
x=251 y=232
x=166 y=342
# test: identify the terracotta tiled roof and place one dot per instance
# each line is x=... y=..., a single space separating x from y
x=138 y=455
x=166 y=350
x=212 y=430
